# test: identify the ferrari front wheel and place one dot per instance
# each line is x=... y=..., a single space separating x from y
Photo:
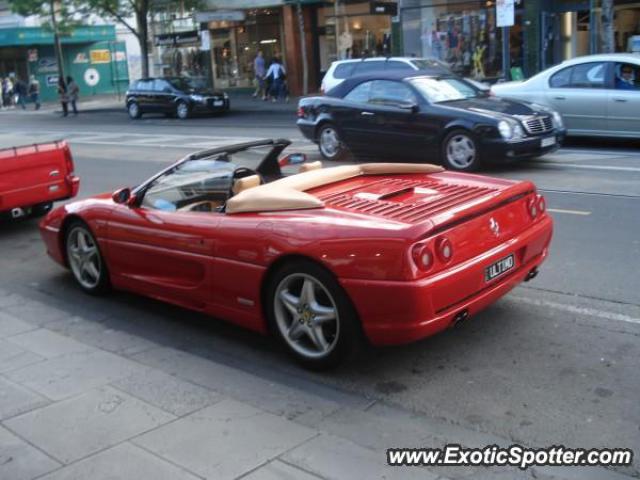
x=85 y=260
x=312 y=316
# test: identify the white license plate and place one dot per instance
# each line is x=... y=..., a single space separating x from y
x=547 y=142
x=220 y=103
x=499 y=268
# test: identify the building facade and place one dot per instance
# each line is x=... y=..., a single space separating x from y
x=545 y=32
x=92 y=55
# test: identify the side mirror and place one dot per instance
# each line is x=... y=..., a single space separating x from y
x=121 y=196
x=293 y=159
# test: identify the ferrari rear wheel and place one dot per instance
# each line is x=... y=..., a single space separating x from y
x=330 y=144
x=312 y=316
x=85 y=260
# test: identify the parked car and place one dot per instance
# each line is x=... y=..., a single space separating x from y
x=593 y=93
x=340 y=70
x=426 y=116
x=32 y=177
x=179 y=96
x=392 y=252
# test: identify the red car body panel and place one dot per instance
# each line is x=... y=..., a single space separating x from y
x=219 y=263
x=36 y=174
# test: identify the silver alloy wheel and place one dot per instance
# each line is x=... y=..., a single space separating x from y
x=329 y=142
x=306 y=315
x=134 y=110
x=84 y=257
x=182 y=110
x=461 y=151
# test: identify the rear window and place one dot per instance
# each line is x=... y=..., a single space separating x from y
x=368 y=67
x=144 y=85
x=397 y=66
x=343 y=70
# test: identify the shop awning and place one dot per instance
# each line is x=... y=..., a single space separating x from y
x=242 y=4
x=23 y=36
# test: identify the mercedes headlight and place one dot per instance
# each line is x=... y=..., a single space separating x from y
x=557 y=119
x=505 y=129
x=197 y=98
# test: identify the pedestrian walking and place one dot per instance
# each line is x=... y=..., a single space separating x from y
x=276 y=74
x=21 y=92
x=7 y=92
x=34 y=91
x=73 y=90
x=260 y=71
x=64 y=96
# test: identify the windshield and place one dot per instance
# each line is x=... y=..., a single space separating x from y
x=437 y=90
x=192 y=181
x=187 y=84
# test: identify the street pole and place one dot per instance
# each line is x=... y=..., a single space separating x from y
x=593 y=27
x=56 y=39
x=303 y=46
x=506 y=54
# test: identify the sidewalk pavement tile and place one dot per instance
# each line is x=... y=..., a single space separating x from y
x=335 y=458
x=48 y=344
x=10 y=325
x=167 y=392
x=307 y=407
x=72 y=374
x=11 y=300
x=13 y=357
x=123 y=462
x=21 y=461
x=15 y=399
x=278 y=470
x=74 y=428
x=224 y=440
x=36 y=313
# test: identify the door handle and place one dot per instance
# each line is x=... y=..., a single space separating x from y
x=621 y=100
x=367 y=114
x=560 y=98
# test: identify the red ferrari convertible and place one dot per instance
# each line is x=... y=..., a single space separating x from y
x=325 y=258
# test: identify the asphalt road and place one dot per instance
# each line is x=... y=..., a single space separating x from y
x=554 y=362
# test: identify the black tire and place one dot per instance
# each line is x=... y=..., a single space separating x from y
x=133 y=109
x=336 y=153
x=41 y=209
x=182 y=110
x=460 y=151
x=343 y=336
x=99 y=283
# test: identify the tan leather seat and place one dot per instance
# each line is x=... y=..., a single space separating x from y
x=245 y=183
x=307 y=167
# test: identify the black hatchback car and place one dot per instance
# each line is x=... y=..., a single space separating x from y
x=427 y=116
x=179 y=96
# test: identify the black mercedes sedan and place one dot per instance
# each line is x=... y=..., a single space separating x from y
x=173 y=96
x=426 y=116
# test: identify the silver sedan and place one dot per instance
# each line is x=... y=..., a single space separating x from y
x=597 y=95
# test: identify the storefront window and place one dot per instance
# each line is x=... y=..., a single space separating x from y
x=459 y=33
x=350 y=31
x=234 y=48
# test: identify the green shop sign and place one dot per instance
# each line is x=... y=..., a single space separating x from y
x=11 y=37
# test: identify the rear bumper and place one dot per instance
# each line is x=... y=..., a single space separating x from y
x=307 y=128
x=48 y=193
x=499 y=150
x=394 y=312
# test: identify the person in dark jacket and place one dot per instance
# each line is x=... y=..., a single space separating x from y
x=64 y=96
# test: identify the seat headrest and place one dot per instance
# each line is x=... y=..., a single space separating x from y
x=307 y=167
x=245 y=183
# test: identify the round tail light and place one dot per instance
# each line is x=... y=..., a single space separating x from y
x=422 y=256
x=542 y=204
x=532 y=205
x=444 y=249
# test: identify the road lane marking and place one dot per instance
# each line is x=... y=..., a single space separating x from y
x=609 y=168
x=592 y=312
x=571 y=212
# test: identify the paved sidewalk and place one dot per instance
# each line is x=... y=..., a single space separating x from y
x=84 y=395
x=240 y=101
